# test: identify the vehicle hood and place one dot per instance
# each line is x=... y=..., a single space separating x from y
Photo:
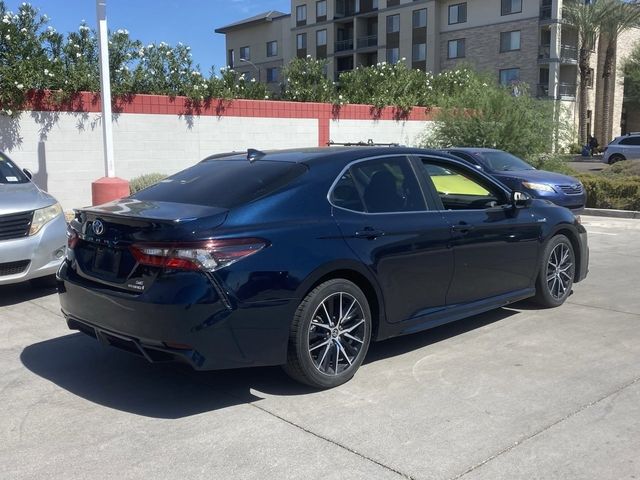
x=22 y=197
x=539 y=176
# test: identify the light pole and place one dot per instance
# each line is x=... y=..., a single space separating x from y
x=253 y=65
x=109 y=187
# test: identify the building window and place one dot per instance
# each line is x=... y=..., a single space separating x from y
x=272 y=49
x=509 y=76
x=321 y=9
x=590 y=78
x=272 y=75
x=393 y=23
x=511 y=6
x=393 y=55
x=457 y=13
x=419 y=52
x=321 y=38
x=510 y=41
x=301 y=14
x=420 y=18
x=456 y=48
x=231 y=58
x=245 y=53
x=301 y=41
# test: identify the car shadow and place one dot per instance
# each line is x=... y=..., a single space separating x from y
x=24 y=292
x=119 y=380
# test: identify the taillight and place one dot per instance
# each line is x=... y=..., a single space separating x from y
x=209 y=255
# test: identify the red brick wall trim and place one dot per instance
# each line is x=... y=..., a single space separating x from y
x=164 y=105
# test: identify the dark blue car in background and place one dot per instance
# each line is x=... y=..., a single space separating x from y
x=301 y=258
x=517 y=174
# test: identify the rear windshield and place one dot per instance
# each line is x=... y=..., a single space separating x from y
x=223 y=183
x=9 y=171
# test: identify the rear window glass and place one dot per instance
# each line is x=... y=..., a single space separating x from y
x=9 y=172
x=223 y=183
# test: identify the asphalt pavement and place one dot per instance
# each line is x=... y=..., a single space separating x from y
x=517 y=393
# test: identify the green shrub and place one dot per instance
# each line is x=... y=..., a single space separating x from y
x=143 y=181
x=607 y=192
x=552 y=163
x=627 y=168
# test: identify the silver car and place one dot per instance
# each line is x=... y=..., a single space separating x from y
x=626 y=147
x=32 y=227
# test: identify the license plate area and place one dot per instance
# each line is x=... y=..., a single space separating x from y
x=106 y=261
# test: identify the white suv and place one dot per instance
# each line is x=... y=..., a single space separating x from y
x=626 y=147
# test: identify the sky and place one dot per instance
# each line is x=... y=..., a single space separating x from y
x=191 y=22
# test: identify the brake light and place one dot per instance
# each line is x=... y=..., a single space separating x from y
x=209 y=255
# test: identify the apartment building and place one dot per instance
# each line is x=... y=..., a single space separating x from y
x=516 y=40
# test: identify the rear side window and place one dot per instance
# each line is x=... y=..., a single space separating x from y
x=223 y=183
x=9 y=172
x=630 y=141
x=383 y=185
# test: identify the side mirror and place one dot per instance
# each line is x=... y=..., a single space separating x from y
x=520 y=199
x=28 y=173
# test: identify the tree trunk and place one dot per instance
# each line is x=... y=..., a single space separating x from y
x=583 y=100
x=607 y=94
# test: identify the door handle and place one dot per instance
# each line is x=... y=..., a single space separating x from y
x=462 y=228
x=369 y=233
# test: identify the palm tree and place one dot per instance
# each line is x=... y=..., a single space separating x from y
x=620 y=16
x=586 y=19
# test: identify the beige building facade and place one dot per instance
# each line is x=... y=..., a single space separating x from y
x=515 y=40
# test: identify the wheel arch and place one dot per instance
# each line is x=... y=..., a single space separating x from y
x=356 y=274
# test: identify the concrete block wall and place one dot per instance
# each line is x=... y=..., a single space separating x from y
x=63 y=146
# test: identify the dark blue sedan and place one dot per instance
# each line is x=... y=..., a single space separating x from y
x=517 y=174
x=302 y=258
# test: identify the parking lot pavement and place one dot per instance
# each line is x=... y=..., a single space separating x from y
x=514 y=393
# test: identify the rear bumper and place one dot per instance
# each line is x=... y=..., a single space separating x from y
x=203 y=332
x=41 y=253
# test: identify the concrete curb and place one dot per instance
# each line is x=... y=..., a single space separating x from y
x=605 y=212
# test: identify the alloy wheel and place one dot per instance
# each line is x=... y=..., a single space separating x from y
x=560 y=270
x=336 y=333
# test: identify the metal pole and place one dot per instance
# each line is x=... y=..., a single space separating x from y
x=105 y=88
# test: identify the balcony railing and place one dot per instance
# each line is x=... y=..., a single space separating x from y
x=544 y=52
x=343 y=45
x=568 y=53
x=369 y=41
x=567 y=90
x=542 y=90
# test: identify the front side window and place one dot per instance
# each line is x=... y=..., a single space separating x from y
x=420 y=18
x=510 y=41
x=385 y=185
x=457 y=13
x=456 y=48
x=393 y=23
x=272 y=48
x=509 y=76
x=245 y=53
x=511 y=6
x=321 y=38
x=459 y=189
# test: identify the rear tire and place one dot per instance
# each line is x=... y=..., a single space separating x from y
x=329 y=335
x=556 y=273
x=616 y=158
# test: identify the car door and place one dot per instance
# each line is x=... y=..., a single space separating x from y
x=383 y=215
x=495 y=246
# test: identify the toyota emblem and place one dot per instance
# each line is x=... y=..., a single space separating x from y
x=98 y=227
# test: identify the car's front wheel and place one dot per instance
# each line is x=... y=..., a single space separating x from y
x=330 y=335
x=557 y=272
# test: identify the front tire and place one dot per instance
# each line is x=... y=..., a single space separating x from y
x=330 y=335
x=556 y=273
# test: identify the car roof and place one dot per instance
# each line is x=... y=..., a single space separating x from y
x=472 y=149
x=311 y=156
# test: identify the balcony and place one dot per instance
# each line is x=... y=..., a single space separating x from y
x=568 y=54
x=368 y=41
x=542 y=90
x=344 y=45
x=545 y=12
x=345 y=8
x=567 y=91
